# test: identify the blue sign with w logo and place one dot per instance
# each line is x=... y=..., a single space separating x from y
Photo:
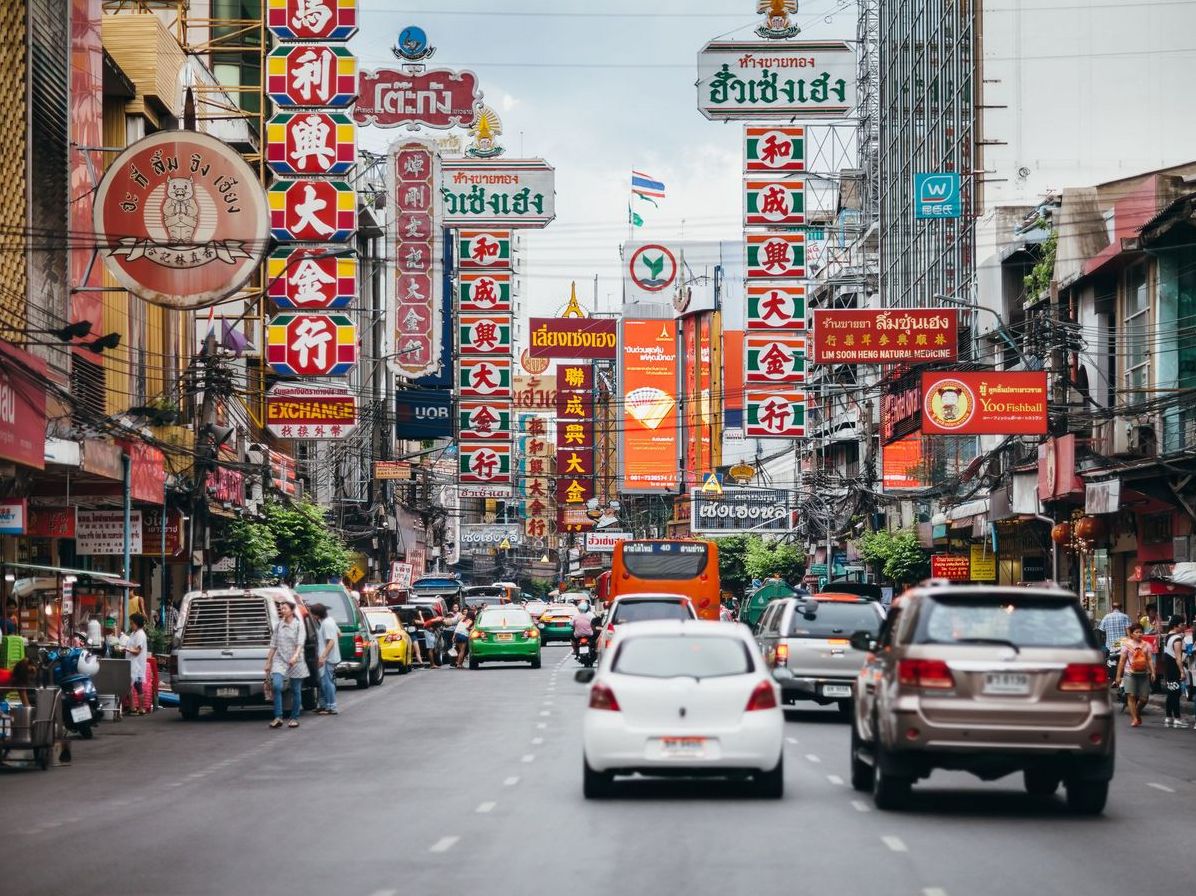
x=936 y=195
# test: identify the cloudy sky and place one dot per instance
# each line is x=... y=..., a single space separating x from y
x=597 y=89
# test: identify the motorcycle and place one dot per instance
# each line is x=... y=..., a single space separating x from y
x=587 y=655
x=1111 y=670
x=71 y=668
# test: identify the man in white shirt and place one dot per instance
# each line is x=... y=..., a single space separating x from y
x=328 y=638
x=136 y=649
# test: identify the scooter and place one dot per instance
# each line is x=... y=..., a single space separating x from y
x=71 y=669
x=1111 y=670
x=587 y=655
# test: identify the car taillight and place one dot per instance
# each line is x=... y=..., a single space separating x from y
x=358 y=645
x=931 y=674
x=476 y=635
x=763 y=697
x=782 y=654
x=532 y=633
x=1084 y=677
x=602 y=697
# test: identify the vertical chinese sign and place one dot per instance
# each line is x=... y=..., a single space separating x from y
x=534 y=478
x=574 y=444
x=417 y=241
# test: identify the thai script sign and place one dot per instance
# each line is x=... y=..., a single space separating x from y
x=486 y=292
x=574 y=337
x=300 y=411
x=952 y=567
x=777 y=358
x=439 y=98
x=776 y=150
x=771 y=79
x=180 y=219
x=648 y=453
x=988 y=403
x=490 y=535
x=311 y=75
x=776 y=256
x=484 y=491
x=534 y=393
x=311 y=279
x=776 y=306
x=774 y=203
x=311 y=142
x=319 y=211
x=604 y=542
x=418 y=246
x=103 y=532
x=850 y=336
x=312 y=19
x=392 y=470
x=774 y=414
x=311 y=344
x=739 y=510
x=498 y=193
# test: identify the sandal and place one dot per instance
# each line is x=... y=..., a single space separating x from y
x=293 y=724
x=277 y=723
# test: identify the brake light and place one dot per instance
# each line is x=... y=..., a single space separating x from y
x=532 y=632
x=79 y=693
x=763 y=697
x=930 y=674
x=358 y=645
x=1084 y=677
x=782 y=654
x=602 y=697
x=476 y=635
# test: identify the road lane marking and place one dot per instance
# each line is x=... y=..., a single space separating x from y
x=894 y=843
x=444 y=844
x=792 y=740
x=385 y=893
x=934 y=891
x=511 y=781
x=545 y=712
x=834 y=779
x=812 y=757
x=1162 y=787
x=483 y=808
x=537 y=740
x=529 y=757
x=861 y=806
x=541 y=725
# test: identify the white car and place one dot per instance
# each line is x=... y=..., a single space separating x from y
x=644 y=606
x=683 y=698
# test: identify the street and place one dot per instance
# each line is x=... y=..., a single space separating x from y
x=454 y=780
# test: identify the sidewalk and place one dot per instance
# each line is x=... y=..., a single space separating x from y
x=1166 y=751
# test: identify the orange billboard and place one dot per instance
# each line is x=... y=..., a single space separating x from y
x=648 y=455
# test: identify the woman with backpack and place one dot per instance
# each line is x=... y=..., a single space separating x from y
x=1135 y=670
x=1173 y=671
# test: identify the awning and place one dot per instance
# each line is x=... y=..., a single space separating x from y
x=1155 y=588
x=67 y=571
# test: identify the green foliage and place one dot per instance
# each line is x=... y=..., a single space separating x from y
x=764 y=558
x=732 y=563
x=252 y=543
x=897 y=556
x=1038 y=280
x=305 y=541
x=158 y=639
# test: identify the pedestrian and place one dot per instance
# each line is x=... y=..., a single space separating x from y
x=328 y=636
x=1150 y=619
x=284 y=662
x=137 y=650
x=10 y=624
x=1115 y=624
x=170 y=617
x=1136 y=669
x=1173 y=672
x=461 y=636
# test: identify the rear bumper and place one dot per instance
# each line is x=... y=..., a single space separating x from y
x=611 y=745
x=350 y=668
x=556 y=633
x=813 y=688
x=395 y=653
x=509 y=650
x=211 y=689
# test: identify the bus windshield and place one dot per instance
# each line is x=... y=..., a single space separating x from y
x=665 y=560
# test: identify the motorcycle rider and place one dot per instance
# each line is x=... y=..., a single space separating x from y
x=583 y=624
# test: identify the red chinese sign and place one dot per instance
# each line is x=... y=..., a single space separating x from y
x=311 y=344
x=485 y=463
x=51 y=522
x=312 y=211
x=486 y=292
x=776 y=306
x=953 y=567
x=300 y=411
x=312 y=19
x=895 y=335
x=311 y=75
x=439 y=98
x=181 y=219
x=988 y=403
x=312 y=142
x=311 y=279
x=574 y=434
x=147 y=471
x=417 y=247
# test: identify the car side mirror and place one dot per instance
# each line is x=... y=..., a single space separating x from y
x=584 y=676
x=864 y=641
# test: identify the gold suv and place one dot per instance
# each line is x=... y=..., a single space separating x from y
x=984 y=679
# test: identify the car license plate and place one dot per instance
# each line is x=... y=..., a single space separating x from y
x=228 y=692
x=80 y=713
x=1006 y=683
x=836 y=690
x=506 y=636
x=683 y=747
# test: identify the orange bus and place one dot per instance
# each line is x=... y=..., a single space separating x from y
x=671 y=565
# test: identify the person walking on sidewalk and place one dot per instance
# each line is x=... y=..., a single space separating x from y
x=284 y=662
x=1173 y=671
x=1136 y=670
x=328 y=636
x=137 y=650
x=1114 y=624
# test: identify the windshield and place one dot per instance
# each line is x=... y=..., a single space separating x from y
x=483 y=591
x=505 y=619
x=664 y=560
x=377 y=618
x=833 y=620
x=646 y=610
x=562 y=610
x=670 y=656
x=1034 y=623
x=337 y=602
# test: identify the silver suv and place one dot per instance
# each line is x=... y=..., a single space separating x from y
x=988 y=680
x=806 y=640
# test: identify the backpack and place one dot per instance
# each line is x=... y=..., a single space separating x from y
x=1139 y=662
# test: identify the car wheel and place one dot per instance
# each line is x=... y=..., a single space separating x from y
x=1040 y=782
x=404 y=668
x=379 y=675
x=595 y=785
x=188 y=707
x=1087 y=797
x=536 y=663
x=861 y=772
x=363 y=680
x=770 y=785
x=844 y=709
x=890 y=792
x=473 y=662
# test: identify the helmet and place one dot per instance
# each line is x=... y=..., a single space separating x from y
x=584 y=606
x=88 y=664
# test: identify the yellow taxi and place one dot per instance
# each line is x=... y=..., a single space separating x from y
x=393 y=642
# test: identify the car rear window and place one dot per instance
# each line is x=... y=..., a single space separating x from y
x=832 y=620
x=376 y=617
x=561 y=610
x=511 y=618
x=1030 y=623
x=337 y=603
x=674 y=656
x=647 y=610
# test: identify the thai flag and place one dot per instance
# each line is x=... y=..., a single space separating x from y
x=646 y=186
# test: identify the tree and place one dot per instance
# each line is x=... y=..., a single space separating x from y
x=764 y=558
x=306 y=543
x=732 y=563
x=252 y=543
x=897 y=556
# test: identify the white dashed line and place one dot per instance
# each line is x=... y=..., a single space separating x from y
x=934 y=891
x=861 y=806
x=537 y=741
x=545 y=712
x=835 y=779
x=1162 y=787
x=792 y=740
x=541 y=725
x=384 y=893
x=812 y=757
x=483 y=808
x=444 y=844
x=894 y=843
x=529 y=757
x=511 y=781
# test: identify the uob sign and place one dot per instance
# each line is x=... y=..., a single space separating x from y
x=423 y=414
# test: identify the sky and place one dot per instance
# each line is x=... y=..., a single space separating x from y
x=597 y=89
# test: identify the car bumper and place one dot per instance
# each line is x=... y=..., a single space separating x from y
x=220 y=690
x=1091 y=737
x=611 y=745
x=350 y=668
x=395 y=654
x=809 y=687
x=556 y=633
x=504 y=650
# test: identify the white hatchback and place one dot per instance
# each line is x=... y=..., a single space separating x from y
x=683 y=698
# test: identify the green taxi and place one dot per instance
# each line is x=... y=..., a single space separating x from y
x=556 y=622
x=504 y=634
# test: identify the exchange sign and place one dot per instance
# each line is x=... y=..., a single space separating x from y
x=485 y=292
x=574 y=337
x=300 y=411
x=311 y=344
x=779 y=358
x=311 y=279
x=180 y=219
x=780 y=80
x=319 y=211
x=311 y=75
x=484 y=420
x=312 y=19
x=311 y=142
x=774 y=203
x=850 y=336
x=776 y=306
x=739 y=510
x=780 y=149
x=776 y=256
x=484 y=334
x=498 y=193
x=481 y=249
x=775 y=414
x=484 y=463
x=986 y=403
x=439 y=98
x=484 y=377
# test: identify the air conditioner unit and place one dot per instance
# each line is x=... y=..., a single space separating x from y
x=1133 y=439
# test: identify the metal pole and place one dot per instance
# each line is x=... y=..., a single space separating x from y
x=163 y=599
x=126 y=477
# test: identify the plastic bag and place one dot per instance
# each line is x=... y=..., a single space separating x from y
x=452 y=652
x=268 y=692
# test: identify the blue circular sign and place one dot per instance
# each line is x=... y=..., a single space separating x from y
x=413 y=42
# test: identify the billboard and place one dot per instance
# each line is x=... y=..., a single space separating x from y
x=739 y=510
x=776 y=306
x=774 y=149
x=416 y=241
x=902 y=465
x=648 y=459
x=779 y=256
x=498 y=192
x=888 y=336
x=937 y=195
x=774 y=414
x=953 y=567
x=423 y=414
x=984 y=403
x=768 y=79
x=594 y=338
x=303 y=411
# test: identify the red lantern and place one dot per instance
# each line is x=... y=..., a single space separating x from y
x=1061 y=534
x=1090 y=528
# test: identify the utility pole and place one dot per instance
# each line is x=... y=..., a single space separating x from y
x=205 y=452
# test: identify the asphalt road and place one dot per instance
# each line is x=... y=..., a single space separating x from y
x=458 y=781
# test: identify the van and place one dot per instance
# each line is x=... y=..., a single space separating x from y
x=361 y=656
x=220 y=647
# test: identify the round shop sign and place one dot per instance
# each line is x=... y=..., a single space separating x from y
x=950 y=404
x=181 y=220
x=653 y=267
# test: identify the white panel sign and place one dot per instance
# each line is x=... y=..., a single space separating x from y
x=103 y=532
x=604 y=542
